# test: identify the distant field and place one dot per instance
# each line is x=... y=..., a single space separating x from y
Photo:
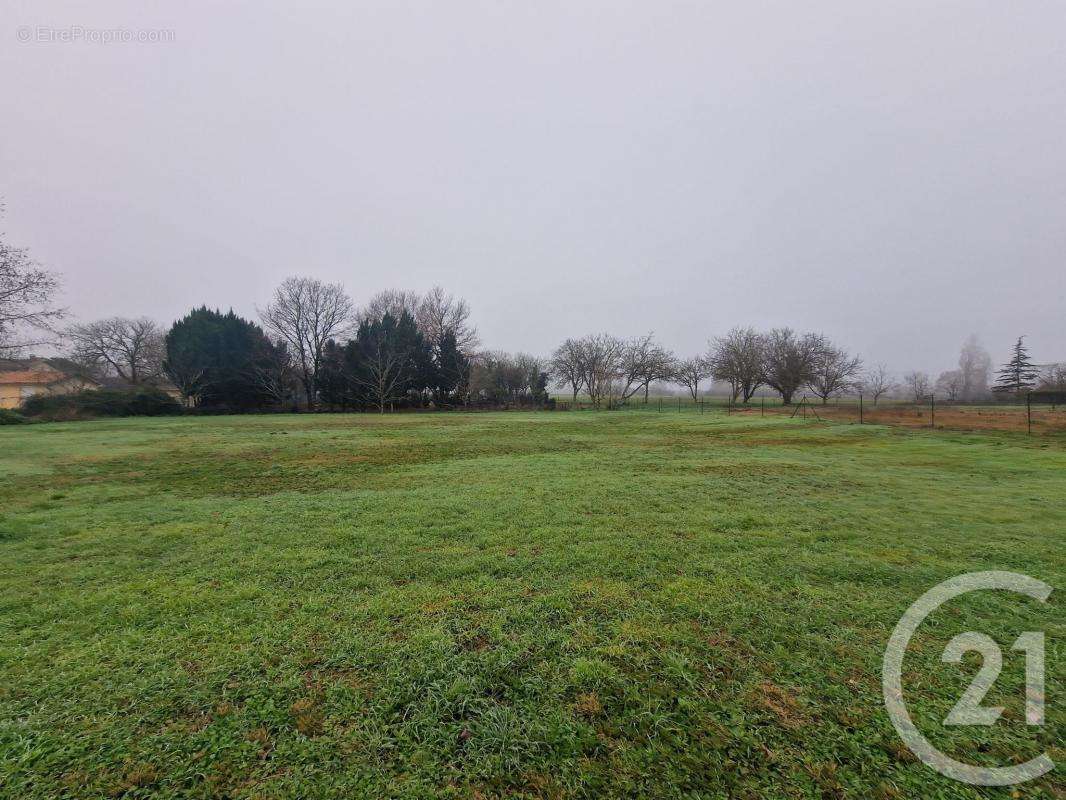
x=1008 y=417
x=528 y=605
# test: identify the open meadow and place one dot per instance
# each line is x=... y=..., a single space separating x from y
x=539 y=605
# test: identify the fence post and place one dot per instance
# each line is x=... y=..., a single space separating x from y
x=932 y=411
x=1029 y=411
x=660 y=404
x=860 y=408
x=679 y=404
x=762 y=407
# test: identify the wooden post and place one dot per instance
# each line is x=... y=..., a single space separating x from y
x=762 y=407
x=1029 y=411
x=860 y=409
x=932 y=411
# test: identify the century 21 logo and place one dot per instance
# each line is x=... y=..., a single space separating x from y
x=968 y=710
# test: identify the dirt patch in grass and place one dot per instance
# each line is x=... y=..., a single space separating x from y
x=782 y=704
x=962 y=418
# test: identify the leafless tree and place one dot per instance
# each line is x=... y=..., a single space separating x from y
x=439 y=313
x=393 y=302
x=690 y=372
x=640 y=362
x=131 y=349
x=878 y=382
x=306 y=313
x=975 y=366
x=835 y=372
x=565 y=366
x=500 y=377
x=789 y=360
x=600 y=365
x=737 y=358
x=26 y=294
x=1053 y=378
x=950 y=384
x=918 y=383
x=272 y=372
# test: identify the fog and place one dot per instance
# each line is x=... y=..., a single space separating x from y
x=890 y=174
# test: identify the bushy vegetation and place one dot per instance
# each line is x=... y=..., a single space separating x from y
x=9 y=417
x=142 y=401
x=485 y=606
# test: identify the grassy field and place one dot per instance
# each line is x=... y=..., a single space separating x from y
x=509 y=605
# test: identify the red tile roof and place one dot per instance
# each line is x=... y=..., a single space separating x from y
x=40 y=378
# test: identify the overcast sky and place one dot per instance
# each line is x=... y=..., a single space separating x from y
x=893 y=174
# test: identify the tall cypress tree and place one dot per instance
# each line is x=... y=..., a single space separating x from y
x=1017 y=375
x=452 y=373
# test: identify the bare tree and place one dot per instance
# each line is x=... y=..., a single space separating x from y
x=975 y=366
x=1053 y=378
x=737 y=358
x=950 y=384
x=393 y=302
x=789 y=360
x=690 y=372
x=26 y=294
x=878 y=382
x=600 y=365
x=306 y=313
x=271 y=372
x=640 y=362
x=565 y=366
x=131 y=349
x=439 y=313
x=918 y=383
x=835 y=372
x=500 y=377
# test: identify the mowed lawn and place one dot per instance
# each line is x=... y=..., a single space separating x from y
x=577 y=604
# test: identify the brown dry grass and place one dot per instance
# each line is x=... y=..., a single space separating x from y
x=963 y=418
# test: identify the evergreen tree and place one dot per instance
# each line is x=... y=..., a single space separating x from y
x=1017 y=375
x=452 y=374
x=334 y=386
x=222 y=360
x=388 y=361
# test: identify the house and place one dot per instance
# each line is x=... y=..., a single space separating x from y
x=163 y=385
x=23 y=378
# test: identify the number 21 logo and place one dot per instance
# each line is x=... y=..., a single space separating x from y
x=968 y=710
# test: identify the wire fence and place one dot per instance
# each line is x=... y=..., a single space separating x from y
x=1033 y=414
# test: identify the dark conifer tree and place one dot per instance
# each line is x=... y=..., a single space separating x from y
x=222 y=360
x=1019 y=374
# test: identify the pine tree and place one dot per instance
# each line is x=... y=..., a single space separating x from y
x=1017 y=375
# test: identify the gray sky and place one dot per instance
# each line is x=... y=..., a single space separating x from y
x=893 y=174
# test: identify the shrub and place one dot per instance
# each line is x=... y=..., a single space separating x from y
x=135 y=402
x=8 y=417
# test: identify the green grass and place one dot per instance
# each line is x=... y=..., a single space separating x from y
x=507 y=605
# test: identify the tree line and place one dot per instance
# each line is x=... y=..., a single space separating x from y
x=610 y=370
x=313 y=346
